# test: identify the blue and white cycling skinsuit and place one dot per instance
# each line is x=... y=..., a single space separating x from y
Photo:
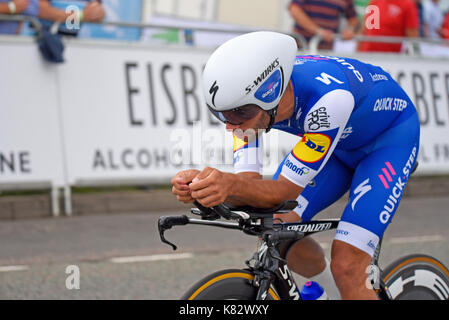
x=358 y=131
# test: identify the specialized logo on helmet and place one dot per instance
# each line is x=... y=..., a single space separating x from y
x=213 y=91
x=312 y=147
x=268 y=70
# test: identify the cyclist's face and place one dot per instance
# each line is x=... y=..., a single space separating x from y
x=260 y=121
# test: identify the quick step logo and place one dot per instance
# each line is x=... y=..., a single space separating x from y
x=393 y=199
x=397 y=188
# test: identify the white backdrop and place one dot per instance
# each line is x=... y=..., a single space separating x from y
x=116 y=113
x=30 y=135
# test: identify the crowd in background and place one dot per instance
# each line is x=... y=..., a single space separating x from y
x=49 y=11
x=404 y=18
x=401 y=18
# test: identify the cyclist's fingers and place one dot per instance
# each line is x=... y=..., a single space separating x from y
x=202 y=181
x=199 y=184
x=179 y=192
x=183 y=178
x=199 y=194
x=205 y=192
x=204 y=173
x=185 y=199
x=210 y=201
x=180 y=185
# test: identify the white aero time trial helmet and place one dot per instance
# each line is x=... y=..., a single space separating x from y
x=248 y=73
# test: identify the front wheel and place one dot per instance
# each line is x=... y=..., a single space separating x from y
x=417 y=277
x=231 y=284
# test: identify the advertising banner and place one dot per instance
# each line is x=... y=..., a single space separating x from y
x=30 y=133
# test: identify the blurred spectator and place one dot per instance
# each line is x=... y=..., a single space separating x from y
x=398 y=18
x=24 y=7
x=322 y=17
x=433 y=19
x=420 y=9
x=51 y=11
x=445 y=27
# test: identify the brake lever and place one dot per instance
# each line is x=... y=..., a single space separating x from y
x=165 y=223
x=162 y=228
x=161 y=234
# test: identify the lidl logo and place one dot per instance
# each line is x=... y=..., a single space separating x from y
x=312 y=147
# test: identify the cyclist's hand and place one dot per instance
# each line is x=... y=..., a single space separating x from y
x=210 y=187
x=180 y=184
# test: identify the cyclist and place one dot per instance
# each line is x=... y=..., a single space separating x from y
x=357 y=130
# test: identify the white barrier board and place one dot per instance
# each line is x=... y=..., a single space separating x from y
x=30 y=136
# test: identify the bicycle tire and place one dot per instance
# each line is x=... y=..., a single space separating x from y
x=229 y=284
x=417 y=277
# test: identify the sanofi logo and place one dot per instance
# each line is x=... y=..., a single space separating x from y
x=298 y=170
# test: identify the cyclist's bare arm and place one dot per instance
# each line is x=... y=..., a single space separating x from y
x=235 y=201
x=212 y=187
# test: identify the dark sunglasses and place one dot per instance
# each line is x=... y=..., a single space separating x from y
x=238 y=115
